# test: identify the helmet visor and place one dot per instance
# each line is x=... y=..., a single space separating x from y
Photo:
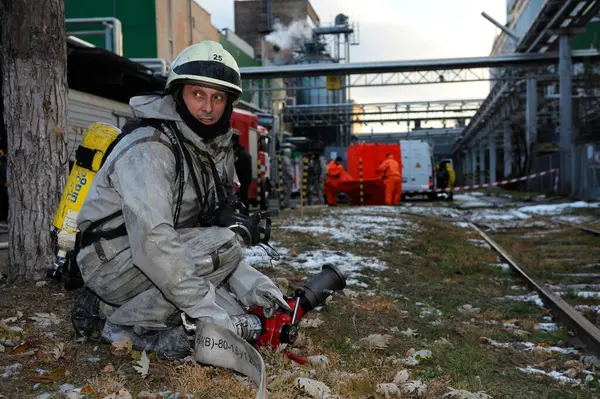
x=210 y=69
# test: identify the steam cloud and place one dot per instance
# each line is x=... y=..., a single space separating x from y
x=287 y=37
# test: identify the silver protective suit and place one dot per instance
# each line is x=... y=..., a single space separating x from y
x=147 y=278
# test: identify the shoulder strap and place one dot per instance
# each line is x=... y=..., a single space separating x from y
x=180 y=176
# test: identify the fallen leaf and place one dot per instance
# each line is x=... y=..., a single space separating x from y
x=55 y=375
x=45 y=356
x=148 y=395
x=318 y=360
x=401 y=377
x=45 y=319
x=143 y=365
x=59 y=350
x=310 y=323
x=423 y=354
x=314 y=388
x=123 y=345
x=415 y=388
x=40 y=284
x=463 y=394
x=109 y=368
x=122 y=394
x=521 y=333
x=135 y=354
x=388 y=389
x=409 y=332
x=22 y=348
x=376 y=341
x=86 y=390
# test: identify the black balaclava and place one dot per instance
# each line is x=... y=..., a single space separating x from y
x=206 y=132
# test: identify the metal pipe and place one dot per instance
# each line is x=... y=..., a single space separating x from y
x=492 y=150
x=506 y=30
x=152 y=61
x=482 y=162
x=115 y=25
x=269 y=15
x=567 y=169
x=474 y=165
x=496 y=61
x=531 y=117
x=507 y=150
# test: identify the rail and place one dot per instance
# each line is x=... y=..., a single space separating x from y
x=588 y=333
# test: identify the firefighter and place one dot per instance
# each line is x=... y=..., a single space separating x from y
x=143 y=266
x=335 y=171
x=392 y=177
x=243 y=169
x=319 y=169
x=445 y=176
x=288 y=177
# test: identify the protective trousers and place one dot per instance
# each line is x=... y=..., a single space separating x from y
x=131 y=299
x=331 y=190
x=318 y=191
x=287 y=193
x=393 y=190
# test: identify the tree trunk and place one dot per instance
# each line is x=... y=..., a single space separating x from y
x=35 y=95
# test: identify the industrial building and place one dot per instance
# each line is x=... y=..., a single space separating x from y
x=153 y=32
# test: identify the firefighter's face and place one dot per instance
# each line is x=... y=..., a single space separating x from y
x=206 y=104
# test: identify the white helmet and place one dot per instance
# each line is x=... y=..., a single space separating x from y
x=207 y=63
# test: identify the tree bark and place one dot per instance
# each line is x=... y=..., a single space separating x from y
x=35 y=94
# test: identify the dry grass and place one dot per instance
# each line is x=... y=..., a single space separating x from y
x=443 y=272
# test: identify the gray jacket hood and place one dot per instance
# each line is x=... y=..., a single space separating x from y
x=164 y=108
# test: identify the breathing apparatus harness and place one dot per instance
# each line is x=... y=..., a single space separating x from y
x=227 y=213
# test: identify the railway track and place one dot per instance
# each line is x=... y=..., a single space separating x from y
x=591 y=231
x=563 y=266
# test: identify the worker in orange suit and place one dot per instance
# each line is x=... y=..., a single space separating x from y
x=335 y=170
x=392 y=178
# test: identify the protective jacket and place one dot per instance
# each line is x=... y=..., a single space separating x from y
x=334 y=174
x=390 y=168
x=392 y=175
x=155 y=272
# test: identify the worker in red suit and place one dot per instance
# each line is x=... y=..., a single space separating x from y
x=335 y=170
x=392 y=178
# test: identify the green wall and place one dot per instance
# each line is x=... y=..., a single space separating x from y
x=138 y=22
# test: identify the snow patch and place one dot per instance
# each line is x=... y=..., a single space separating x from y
x=555 y=209
x=353 y=228
x=350 y=265
x=555 y=375
x=533 y=297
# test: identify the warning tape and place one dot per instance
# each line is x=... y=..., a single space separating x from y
x=494 y=184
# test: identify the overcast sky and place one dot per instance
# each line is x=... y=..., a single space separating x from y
x=406 y=30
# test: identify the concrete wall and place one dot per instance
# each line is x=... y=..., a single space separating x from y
x=173 y=24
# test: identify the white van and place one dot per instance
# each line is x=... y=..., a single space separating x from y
x=418 y=168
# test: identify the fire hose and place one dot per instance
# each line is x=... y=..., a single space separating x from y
x=218 y=346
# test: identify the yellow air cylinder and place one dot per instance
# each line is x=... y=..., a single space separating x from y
x=88 y=160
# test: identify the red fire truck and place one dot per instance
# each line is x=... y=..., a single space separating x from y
x=254 y=138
